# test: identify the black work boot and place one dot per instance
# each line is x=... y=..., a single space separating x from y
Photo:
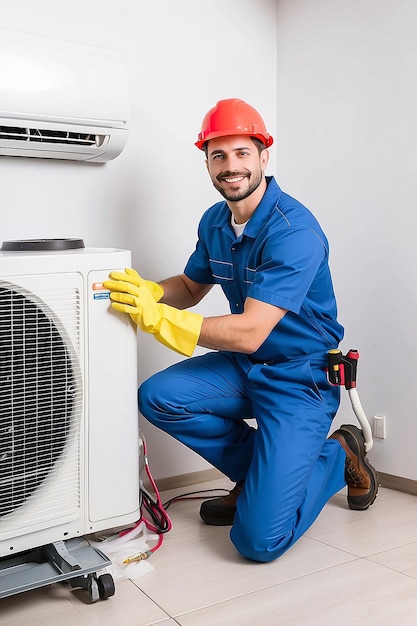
x=360 y=475
x=221 y=511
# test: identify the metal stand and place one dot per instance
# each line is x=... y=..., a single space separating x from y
x=74 y=560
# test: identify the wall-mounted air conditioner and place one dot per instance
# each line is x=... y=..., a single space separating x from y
x=69 y=442
x=60 y=100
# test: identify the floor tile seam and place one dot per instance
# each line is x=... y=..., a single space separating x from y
x=263 y=588
x=393 y=547
x=403 y=545
x=233 y=597
x=335 y=547
x=395 y=571
x=391 y=568
x=73 y=600
x=361 y=555
x=223 y=602
x=154 y=602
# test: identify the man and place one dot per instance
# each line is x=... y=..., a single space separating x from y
x=269 y=355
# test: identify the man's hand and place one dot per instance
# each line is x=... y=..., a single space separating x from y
x=129 y=280
x=178 y=330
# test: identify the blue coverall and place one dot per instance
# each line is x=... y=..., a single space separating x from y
x=289 y=468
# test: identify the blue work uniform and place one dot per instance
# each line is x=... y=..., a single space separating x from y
x=289 y=468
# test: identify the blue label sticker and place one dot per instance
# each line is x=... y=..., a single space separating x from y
x=103 y=295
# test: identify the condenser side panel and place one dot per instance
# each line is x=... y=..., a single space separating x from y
x=112 y=429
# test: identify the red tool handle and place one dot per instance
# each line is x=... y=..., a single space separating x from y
x=342 y=368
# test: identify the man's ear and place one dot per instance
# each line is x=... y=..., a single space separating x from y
x=264 y=159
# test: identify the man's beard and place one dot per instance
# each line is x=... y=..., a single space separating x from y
x=238 y=194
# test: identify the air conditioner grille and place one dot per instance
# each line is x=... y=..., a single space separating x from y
x=37 y=396
x=54 y=136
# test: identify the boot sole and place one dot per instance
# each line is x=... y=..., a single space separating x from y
x=361 y=503
x=216 y=522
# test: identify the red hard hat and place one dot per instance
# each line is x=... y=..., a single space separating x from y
x=233 y=117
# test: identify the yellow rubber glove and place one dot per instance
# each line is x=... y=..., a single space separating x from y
x=176 y=329
x=131 y=277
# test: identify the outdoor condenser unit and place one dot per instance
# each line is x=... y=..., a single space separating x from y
x=69 y=442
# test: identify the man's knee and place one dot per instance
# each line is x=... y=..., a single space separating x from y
x=149 y=401
x=254 y=547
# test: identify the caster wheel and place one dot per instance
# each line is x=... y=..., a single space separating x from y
x=106 y=586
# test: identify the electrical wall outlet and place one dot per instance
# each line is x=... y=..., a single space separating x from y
x=379 y=431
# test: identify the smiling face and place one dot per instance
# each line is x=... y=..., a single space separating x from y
x=235 y=166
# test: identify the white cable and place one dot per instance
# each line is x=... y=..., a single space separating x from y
x=128 y=536
x=362 y=419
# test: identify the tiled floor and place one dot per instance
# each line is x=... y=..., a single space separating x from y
x=350 y=568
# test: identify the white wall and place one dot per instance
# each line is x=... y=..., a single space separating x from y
x=182 y=57
x=347 y=101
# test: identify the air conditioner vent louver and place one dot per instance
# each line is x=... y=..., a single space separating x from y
x=41 y=135
x=37 y=397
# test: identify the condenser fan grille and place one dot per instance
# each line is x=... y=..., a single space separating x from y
x=37 y=396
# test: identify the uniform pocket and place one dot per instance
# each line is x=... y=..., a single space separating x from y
x=222 y=271
x=319 y=380
x=299 y=378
